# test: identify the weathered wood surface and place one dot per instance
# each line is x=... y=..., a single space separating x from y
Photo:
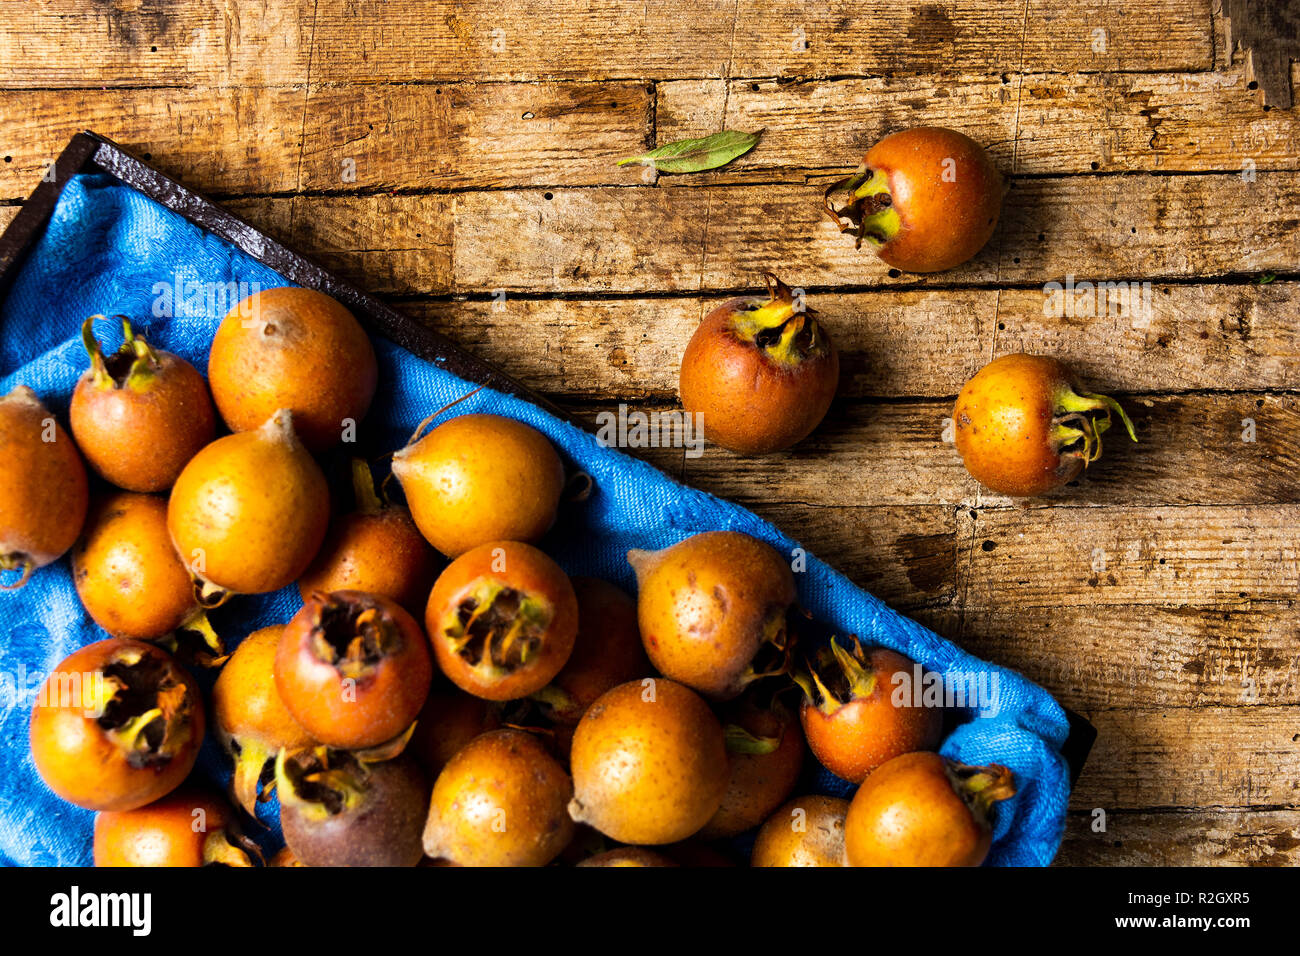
x=686 y=239
x=1206 y=838
x=62 y=43
x=459 y=158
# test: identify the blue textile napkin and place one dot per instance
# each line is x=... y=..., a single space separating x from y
x=109 y=249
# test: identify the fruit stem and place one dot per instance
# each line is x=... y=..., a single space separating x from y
x=98 y=368
x=11 y=562
x=741 y=741
x=981 y=787
x=198 y=623
x=363 y=487
x=415 y=436
x=870 y=213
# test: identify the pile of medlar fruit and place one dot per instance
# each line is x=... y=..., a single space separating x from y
x=446 y=694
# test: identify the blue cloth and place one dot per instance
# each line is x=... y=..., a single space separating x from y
x=107 y=249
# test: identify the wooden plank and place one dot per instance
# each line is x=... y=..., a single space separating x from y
x=901 y=342
x=1075 y=123
x=224 y=140
x=220 y=141
x=382 y=242
x=1229 y=757
x=1202 y=838
x=1191 y=452
x=69 y=43
x=1123 y=656
x=474 y=135
x=684 y=239
x=905 y=556
x=578 y=39
x=1072 y=557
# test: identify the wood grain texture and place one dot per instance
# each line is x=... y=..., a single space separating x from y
x=1193 y=758
x=1116 y=656
x=629 y=240
x=898 y=343
x=1202 y=838
x=1041 y=124
x=69 y=43
x=575 y=39
x=343 y=139
x=1190 y=451
x=1210 y=556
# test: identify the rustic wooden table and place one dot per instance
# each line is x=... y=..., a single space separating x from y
x=459 y=159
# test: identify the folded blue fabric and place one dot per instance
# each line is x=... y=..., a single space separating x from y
x=109 y=249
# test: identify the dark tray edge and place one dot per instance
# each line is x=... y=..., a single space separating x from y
x=90 y=152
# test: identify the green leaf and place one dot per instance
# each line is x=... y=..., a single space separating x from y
x=1266 y=278
x=697 y=155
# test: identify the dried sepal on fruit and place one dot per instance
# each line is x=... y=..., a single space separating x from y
x=850 y=714
x=337 y=810
x=376 y=548
x=1025 y=426
x=502 y=619
x=921 y=809
x=43 y=489
x=186 y=828
x=251 y=721
x=765 y=748
x=712 y=611
x=133 y=584
x=118 y=724
x=140 y=414
x=353 y=669
x=926 y=199
x=606 y=652
x=760 y=374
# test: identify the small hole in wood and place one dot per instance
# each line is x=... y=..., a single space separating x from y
x=894 y=273
x=548 y=196
x=1095 y=165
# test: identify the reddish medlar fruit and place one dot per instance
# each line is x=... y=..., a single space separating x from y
x=140 y=414
x=252 y=723
x=128 y=574
x=186 y=828
x=649 y=763
x=502 y=618
x=760 y=373
x=607 y=652
x=295 y=349
x=807 y=831
x=376 y=549
x=709 y=605
x=353 y=669
x=43 y=490
x=448 y=721
x=337 y=810
x=1024 y=426
x=926 y=199
x=480 y=478
x=500 y=801
x=765 y=750
x=849 y=714
x=118 y=724
x=249 y=512
x=921 y=809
